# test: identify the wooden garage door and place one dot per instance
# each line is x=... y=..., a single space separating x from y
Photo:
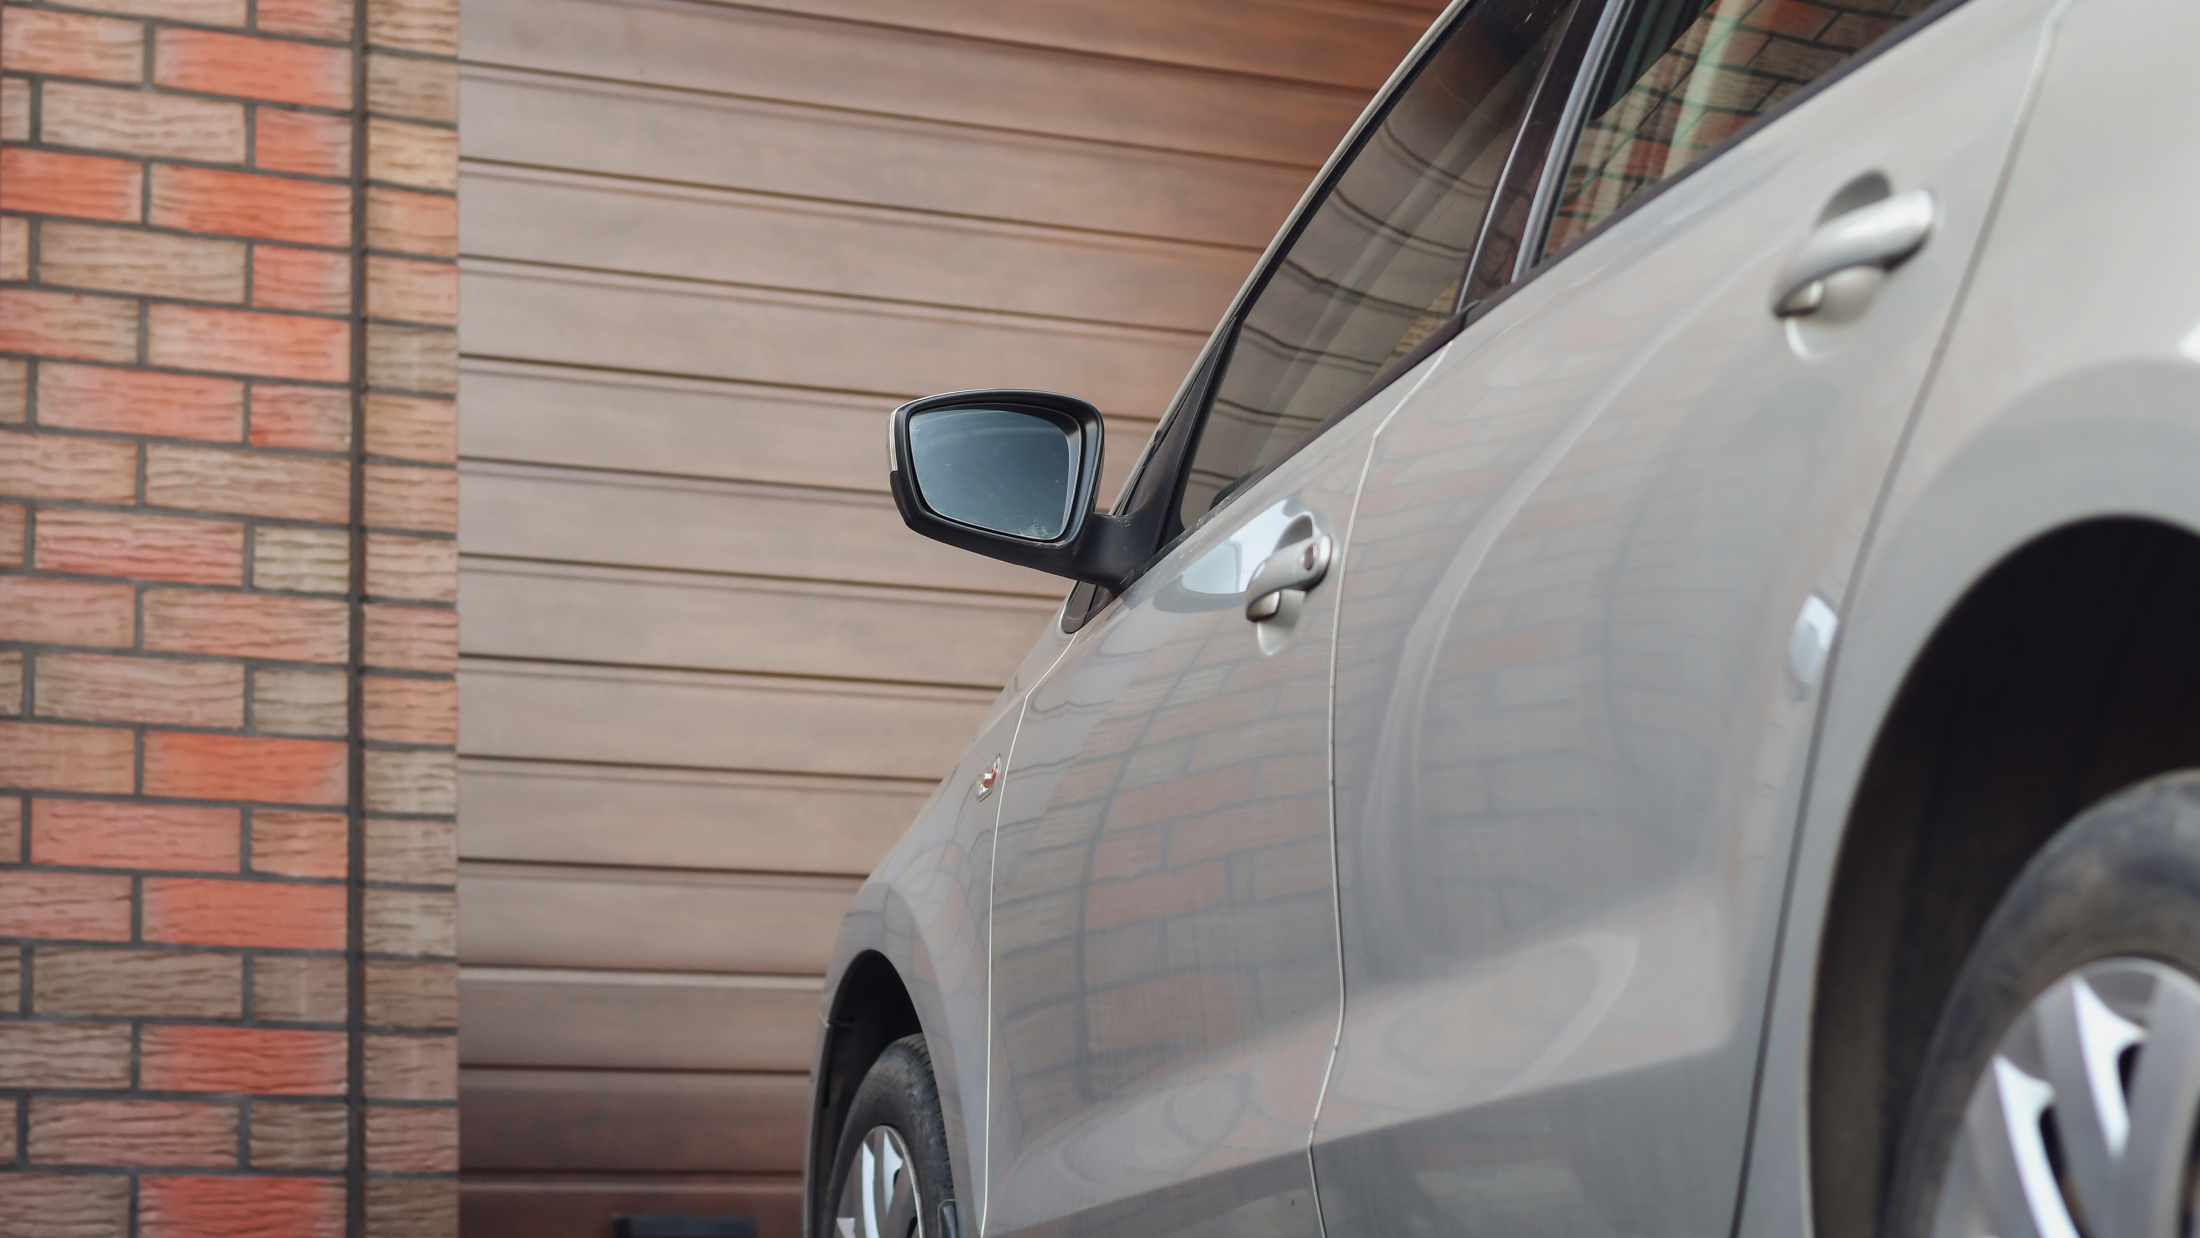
x=707 y=676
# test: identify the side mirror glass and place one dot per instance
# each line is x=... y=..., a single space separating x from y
x=1008 y=474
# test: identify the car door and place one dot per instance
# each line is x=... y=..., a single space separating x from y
x=1598 y=565
x=1165 y=988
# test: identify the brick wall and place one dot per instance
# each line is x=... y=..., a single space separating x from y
x=227 y=625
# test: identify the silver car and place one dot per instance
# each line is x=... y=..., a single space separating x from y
x=1646 y=685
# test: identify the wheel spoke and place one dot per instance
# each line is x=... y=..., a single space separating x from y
x=2082 y=1039
x=880 y=1198
x=2016 y=1185
x=2165 y=1095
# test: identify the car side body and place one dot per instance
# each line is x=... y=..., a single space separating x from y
x=1602 y=735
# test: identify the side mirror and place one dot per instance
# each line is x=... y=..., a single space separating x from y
x=1006 y=474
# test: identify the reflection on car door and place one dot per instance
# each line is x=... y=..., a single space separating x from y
x=1570 y=744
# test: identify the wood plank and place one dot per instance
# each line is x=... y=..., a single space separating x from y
x=713 y=720
x=586 y=1207
x=581 y=814
x=576 y=219
x=900 y=72
x=640 y=618
x=631 y=1121
x=539 y=915
x=527 y=512
x=631 y=322
x=1344 y=44
x=628 y=130
x=637 y=1021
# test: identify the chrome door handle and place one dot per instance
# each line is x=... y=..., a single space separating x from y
x=1295 y=567
x=1881 y=235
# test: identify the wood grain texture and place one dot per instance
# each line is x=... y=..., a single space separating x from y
x=637 y=1021
x=630 y=1121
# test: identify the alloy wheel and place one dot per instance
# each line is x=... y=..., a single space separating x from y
x=880 y=1198
x=2082 y=1123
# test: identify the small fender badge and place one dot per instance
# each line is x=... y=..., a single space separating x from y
x=990 y=779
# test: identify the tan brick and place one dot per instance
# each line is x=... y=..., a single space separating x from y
x=316 y=281
x=277 y=70
x=418 y=359
x=142 y=547
x=301 y=844
x=84 y=397
x=137 y=123
x=294 y=1136
x=82 y=186
x=299 y=990
x=14 y=534
x=412 y=1067
x=412 y=290
x=412 y=1140
x=412 y=782
x=245 y=625
x=149 y=263
x=64 y=906
x=64 y=1055
x=402 y=221
x=79 y=980
x=299 y=702
x=411 y=711
x=412 y=852
x=271 y=208
x=411 y=87
x=417 y=568
x=305 y=143
x=71 y=45
x=100 y=688
x=248 y=483
x=412 y=1208
x=8 y=1111
x=412 y=428
x=239 y=342
x=11 y=971
x=417 y=497
x=307 y=418
x=305 y=560
x=34 y=1205
x=416 y=25
x=152 y=1133
x=15 y=243
x=43 y=757
x=67 y=324
x=14 y=389
x=412 y=995
x=315 y=19
x=15 y=109
x=11 y=706
x=200 y=12
x=50 y=466
x=66 y=612
x=412 y=922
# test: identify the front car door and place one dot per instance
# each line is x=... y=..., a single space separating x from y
x=1165 y=993
x=1600 y=557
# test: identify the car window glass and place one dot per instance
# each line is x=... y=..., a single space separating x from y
x=1688 y=75
x=1377 y=266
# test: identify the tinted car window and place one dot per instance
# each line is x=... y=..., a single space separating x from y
x=1688 y=75
x=1378 y=265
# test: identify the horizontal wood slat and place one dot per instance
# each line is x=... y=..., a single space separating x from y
x=581 y=220
x=796 y=59
x=663 y=326
x=630 y=1121
x=542 y=916
x=629 y=1021
x=630 y=130
x=586 y=1207
x=710 y=720
x=637 y=618
x=538 y=513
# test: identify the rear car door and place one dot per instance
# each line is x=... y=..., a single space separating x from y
x=1599 y=561
x=1165 y=989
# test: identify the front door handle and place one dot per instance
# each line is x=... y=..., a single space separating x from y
x=1294 y=568
x=1882 y=234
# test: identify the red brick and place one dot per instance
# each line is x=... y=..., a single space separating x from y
x=305 y=143
x=40 y=757
x=88 y=834
x=235 y=1059
x=317 y=281
x=54 y=1206
x=64 y=906
x=412 y=1140
x=318 y=19
x=52 y=466
x=269 y=208
x=86 y=397
x=71 y=45
x=150 y=1133
x=64 y=1055
x=66 y=612
x=307 y=418
x=203 y=552
x=80 y=186
x=248 y=483
x=412 y=638
x=411 y=711
x=68 y=324
x=400 y=221
x=412 y=497
x=125 y=689
x=14 y=526
x=241 y=767
x=240 y=1208
x=138 y=122
x=301 y=844
x=263 y=915
x=277 y=70
x=412 y=290
x=245 y=625
x=241 y=342
x=197 y=12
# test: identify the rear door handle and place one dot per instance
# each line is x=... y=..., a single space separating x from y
x=1882 y=235
x=1295 y=567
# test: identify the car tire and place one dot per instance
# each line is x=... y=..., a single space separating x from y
x=890 y=1171
x=2076 y=1014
